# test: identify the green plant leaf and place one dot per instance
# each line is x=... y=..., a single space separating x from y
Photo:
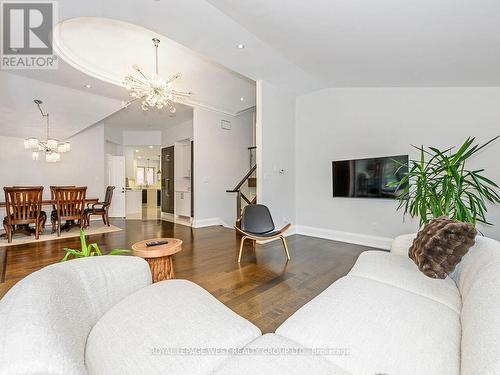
x=119 y=251
x=83 y=241
x=439 y=184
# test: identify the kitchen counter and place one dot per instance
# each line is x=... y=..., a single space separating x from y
x=133 y=203
x=141 y=189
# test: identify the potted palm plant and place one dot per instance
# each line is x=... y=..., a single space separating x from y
x=440 y=184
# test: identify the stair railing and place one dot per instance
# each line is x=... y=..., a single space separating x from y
x=239 y=193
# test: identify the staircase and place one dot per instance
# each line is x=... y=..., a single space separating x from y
x=246 y=189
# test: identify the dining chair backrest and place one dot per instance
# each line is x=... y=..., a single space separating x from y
x=109 y=195
x=23 y=204
x=257 y=219
x=52 y=192
x=70 y=202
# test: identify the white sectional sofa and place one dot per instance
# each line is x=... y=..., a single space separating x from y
x=103 y=316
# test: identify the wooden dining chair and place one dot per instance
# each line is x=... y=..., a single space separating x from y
x=70 y=206
x=257 y=225
x=23 y=206
x=100 y=208
x=43 y=214
x=53 y=214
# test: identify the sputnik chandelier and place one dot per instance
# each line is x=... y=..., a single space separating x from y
x=50 y=146
x=152 y=90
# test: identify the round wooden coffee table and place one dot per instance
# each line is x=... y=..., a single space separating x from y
x=159 y=257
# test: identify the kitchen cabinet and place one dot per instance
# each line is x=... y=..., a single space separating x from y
x=183 y=203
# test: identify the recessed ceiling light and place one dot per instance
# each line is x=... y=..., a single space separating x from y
x=242 y=98
x=136 y=150
x=139 y=157
x=240 y=46
x=87 y=86
x=150 y=146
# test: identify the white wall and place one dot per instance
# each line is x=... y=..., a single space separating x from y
x=275 y=130
x=142 y=138
x=82 y=166
x=112 y=148
x=113 y=137
x=338 y=124
x=177 y=133
x=221 y=159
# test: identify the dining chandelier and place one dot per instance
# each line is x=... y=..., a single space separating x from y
x=152 y=90
x=50 y=146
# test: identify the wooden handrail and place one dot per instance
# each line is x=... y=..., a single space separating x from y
x=247 y=176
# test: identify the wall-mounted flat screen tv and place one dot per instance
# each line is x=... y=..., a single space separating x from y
x=369 y=178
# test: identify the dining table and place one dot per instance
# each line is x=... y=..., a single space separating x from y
x=48 y=202
x=52 y=202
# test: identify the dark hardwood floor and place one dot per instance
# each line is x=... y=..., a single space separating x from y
x=264 y=288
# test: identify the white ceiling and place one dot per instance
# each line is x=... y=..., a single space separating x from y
x=380 y=43
x=201 y=27
x=299 y=45
x=133 y=118
x=106 y=49
x=70 y=110
x=145 y=152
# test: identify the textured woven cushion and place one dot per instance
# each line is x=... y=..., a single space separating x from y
x=275 y=355
x=440 y=246
x=140 y=334
x=386 y=329
x=478 y=278
x=46 y=317
x=400 y=271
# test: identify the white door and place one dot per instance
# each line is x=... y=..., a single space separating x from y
x=116 y=178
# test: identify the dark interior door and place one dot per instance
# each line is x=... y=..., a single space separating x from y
x=167 y=179
x=192 y=179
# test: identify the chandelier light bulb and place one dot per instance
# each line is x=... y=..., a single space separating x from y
x=152 y=90
x=50 y=146
x=52 y=157
x=63 y=147
x=31 y=143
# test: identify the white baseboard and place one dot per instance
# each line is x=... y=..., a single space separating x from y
x=355 y=238
x=201 y=223
x=187 y=221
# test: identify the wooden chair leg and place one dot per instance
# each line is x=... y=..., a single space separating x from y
x=241 y=247
x=107 y=219
x=8 y=232
x=37 y=229
x=58 y=227
x=285 y=246
x=54 y=225
x=104 y=219
x=4 y=264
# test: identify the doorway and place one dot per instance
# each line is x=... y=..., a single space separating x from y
x=177 y=182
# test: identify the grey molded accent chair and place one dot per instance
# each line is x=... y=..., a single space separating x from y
x=257 y=224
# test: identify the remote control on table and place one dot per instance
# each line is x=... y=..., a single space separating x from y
x=156 y=243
